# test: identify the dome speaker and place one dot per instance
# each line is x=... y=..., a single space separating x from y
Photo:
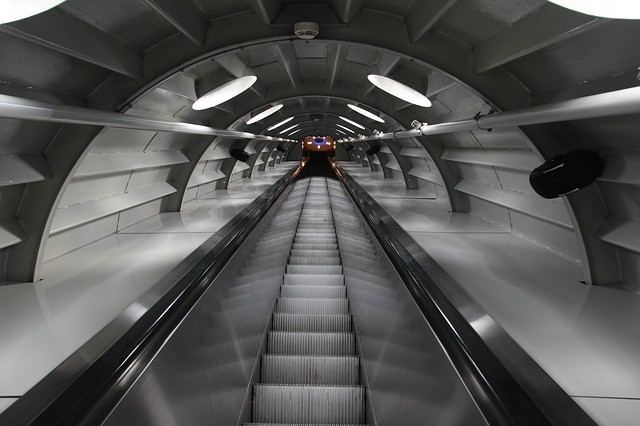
x=566 y=173
x=373 y=150
x=281 y=148
x=239 y=155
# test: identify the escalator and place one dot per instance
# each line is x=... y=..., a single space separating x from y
x=307 y=310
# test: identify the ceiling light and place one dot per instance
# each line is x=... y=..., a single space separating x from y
x=399 y=90
x=353 y=123
x=12 y=10
x=619 y=9
x=265 y=114
x=341 y=132
x=289 y=128
x=366 y=113
x=345 y=127
x=275 y=126
x=295 y=131
x=225 y=92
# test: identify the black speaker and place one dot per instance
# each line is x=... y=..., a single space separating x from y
x=373 y=150
x=281 y=148
x=348 y=147
x=566 y=173
x=239 y=155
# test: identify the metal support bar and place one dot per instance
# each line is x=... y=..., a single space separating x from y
x=25 y=109
x=619 y=102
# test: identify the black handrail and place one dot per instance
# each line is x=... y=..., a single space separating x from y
x=88 y=384
x=505 y=397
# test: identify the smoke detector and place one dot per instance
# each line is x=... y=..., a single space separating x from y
x=306 y=30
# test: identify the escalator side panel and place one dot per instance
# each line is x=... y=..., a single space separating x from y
x=409 y=376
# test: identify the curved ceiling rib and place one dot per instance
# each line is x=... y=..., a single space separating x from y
x=422 y=45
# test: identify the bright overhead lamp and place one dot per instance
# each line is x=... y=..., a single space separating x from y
x=225 y=92
x=265 y=114
x=345 y=127
x=294 y=132
x=353 y=123
x=341 y=132
x=14 y=10
x=366 y=113
x=399 y=90
x=285 y=121
x=289 y=128
x=618 y=9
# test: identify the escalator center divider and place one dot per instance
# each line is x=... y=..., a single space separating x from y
x=310 y=372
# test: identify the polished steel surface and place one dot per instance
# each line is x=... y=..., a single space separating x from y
x=83 y=377
x=483 y=341
x=410 y=378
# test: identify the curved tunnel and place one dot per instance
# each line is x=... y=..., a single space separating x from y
x=86 y=203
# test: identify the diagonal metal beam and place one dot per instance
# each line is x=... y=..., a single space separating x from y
x=25 y=109
x=385 y=65
x=63 y=33
x=547 y=26
x=424 y=15
x=265 y=9
x=238 y=68
x=289 y=62
x=336 y=55
x=347 y=9
x=185 y=16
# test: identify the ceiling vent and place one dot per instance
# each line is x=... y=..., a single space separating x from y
x=306 y=30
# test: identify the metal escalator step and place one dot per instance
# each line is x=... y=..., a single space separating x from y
x=311 y=292
x=313 y=279
x=314 y=246
x=314 y=269
x=306 y=260
x=298 y=424
x=312 y=370
x=308 y=404
x=314 y=253
x=296 y=343
x=287 y=305
x=312 y=323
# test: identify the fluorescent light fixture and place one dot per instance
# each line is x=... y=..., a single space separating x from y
x=399 y=90
x=14 y=10
x=353 y=123
x=618 y=9
x=341 y=132
x=294 y=132
x=285 y=121
x=225 y=92
x=366 y=113
x=265 y=114
x=345 y=127
x=289 y=128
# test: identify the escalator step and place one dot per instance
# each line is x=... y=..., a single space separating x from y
x=312 y=323
x=288 y=305
x=294 y=343
x=317 y=279
x=314 y=253
x=308 y=404
x=314 y=269
x=311 y=292
x=313 y=370
x=306 y=260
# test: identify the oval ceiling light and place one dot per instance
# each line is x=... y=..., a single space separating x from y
x=285 y=121
x=289 y=128
x=225 y=92
x=345 y=127
x=353 y=123
x=295 y=131
x=399 y=90
x=14 y=10
x=265 y=113
x=366 y=113
x=618 y=9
